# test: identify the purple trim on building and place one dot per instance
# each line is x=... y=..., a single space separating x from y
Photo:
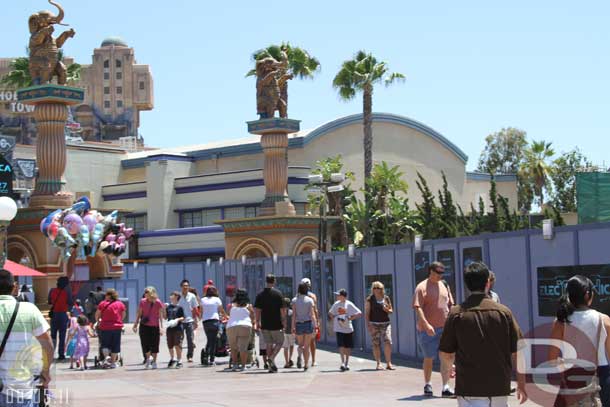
x=185 y=252
x=178 y=232
x=235 y=185
x=127 y=195
x=297 y=167
x=135 y=214
x=246 y=205
x=126 y=183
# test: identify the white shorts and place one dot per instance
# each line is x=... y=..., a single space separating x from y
x=289 y=340
x=501 y=401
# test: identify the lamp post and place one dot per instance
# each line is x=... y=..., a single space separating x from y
x=8 y=211
x=325 y=187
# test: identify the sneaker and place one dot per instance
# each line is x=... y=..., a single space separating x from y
x=234 y=368
x=112 y=366
x=448 y=394
x=290 y=364
x=342 y=368
x=171 y=364
x=346 y=367
x=178 y=365
x=154 y=365
x=148 y=365
x=212 y=363
x=299 y=362
x=274 y=367
x=428 y=390
x=266 y=365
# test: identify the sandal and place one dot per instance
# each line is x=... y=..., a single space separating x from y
x=390 y=367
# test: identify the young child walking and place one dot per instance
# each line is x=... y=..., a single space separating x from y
x=174 y=332
x=81 y=336
x=71 y=341
x=343 y=312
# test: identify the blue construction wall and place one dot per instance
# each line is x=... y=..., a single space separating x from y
x=513 y=256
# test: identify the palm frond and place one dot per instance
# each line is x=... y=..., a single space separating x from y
x=394 y=77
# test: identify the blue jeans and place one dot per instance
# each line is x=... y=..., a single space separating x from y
x=59 y=325
x=603 y=373
x=13 y=401
x=210 y=327
x=188 y=332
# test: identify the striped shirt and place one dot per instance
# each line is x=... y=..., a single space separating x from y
x=22 y=357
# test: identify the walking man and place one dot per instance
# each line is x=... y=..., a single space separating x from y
x=431 y=302
x=188 y=302
x=482 y=335
x=343 y=312
x=271 y=317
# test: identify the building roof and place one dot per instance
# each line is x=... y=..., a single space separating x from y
x=116 y=41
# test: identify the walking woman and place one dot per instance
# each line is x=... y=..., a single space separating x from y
x=150 y=316
x=377 y=310
x=110 y=314
x=587 y=331
x=212 y=310
x=304 y=321
x=60 y=299
x=240 y=325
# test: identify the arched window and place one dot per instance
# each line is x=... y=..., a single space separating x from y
x=106 y=64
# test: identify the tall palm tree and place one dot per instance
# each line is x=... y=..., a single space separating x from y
x=19 y=75
x=360 y=74
x=537 y=166
x=300 y=63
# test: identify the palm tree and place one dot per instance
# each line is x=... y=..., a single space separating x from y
x=300 y=63
x=537 y=167
x=19 y=74
x=361 y=74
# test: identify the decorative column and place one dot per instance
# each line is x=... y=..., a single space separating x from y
x=51 y=114
x=274 y=140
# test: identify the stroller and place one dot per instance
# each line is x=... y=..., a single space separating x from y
x=102 y=354
x=222 y=345
x=252 y=358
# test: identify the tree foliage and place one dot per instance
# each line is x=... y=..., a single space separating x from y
x=563 y=177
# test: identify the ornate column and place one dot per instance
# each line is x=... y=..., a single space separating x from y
x=274 y=140
x=51 y=113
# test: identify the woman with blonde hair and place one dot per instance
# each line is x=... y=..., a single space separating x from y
x=150 y=316
x=377 y=310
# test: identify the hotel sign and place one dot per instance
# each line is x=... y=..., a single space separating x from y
x=13 y=104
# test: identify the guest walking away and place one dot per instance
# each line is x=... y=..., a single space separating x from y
x=343 y=312
x=208 y=285
x=189 y=303
x=60 y=299
x=80 y=336
x=316 y=336
x=77 y=309
x=71 y=342
x=431 y=302
x=481 y=335
x=212 y=310
x=239 y=328
x=174 y=332
x=110 y=314
x=289 y=337
x=270 y=317
x=581 y=327
x=377 y=310
x=26 y=294
x=303 y=321
x=492 y=282
x=97 y=297
x=149 y=318
x=28 y=348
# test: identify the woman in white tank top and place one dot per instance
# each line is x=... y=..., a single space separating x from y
x=585 y=331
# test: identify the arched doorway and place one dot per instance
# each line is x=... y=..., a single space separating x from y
x=305 y=245
x=253 y=248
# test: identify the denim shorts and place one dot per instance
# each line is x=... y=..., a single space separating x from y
x=304 y=328
x=428 y=345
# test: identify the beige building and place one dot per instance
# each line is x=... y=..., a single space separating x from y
x=175 y=195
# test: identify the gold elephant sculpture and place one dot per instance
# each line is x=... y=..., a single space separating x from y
x=44 y=49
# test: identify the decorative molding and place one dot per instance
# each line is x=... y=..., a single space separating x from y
x=274 y=125
x=50 y=93
x=253 y=243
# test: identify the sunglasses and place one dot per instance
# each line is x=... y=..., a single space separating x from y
x=376 y=288
x=439 y=271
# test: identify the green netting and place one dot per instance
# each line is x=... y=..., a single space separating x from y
x=593 y=197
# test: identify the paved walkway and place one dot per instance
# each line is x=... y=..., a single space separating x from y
x=193 y=385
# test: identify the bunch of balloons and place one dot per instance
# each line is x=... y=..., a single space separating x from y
x=85 y=230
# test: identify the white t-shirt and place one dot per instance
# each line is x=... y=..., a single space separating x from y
x=239 y=316
x=22 y=357
x=187 y=303
x=210 y=308
x=342 y=310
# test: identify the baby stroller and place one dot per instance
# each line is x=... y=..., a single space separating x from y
x=103 y=355
x=252 y=358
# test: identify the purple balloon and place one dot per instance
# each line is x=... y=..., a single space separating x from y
x=72 y=223
x=90 y=221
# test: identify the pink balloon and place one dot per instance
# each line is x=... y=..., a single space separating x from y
x=72 y=223
x=90 y=220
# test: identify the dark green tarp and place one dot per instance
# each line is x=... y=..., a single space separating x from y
x=593 y=197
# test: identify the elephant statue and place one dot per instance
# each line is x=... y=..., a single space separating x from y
x=267 y=87
x=44 y=49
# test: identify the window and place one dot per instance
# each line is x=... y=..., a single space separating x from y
x=118 y=63
x=106 y=90
x=119 y=104
x=119 y=75
x=191 y=219
x=210 y=216
x=106 y=104
x=106 y=76
x=106 y=64
x=142 y=85
x=138 y=223
x=235 y=213
x=119 y=90
x=251 y=211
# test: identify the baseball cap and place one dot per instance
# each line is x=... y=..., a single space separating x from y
x=306 y=281
x=211 y=282
x=342 y=292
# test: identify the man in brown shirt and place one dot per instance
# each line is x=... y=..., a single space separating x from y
x=431 y=302
x=482 y=335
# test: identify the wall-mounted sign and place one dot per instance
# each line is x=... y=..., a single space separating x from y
x=447 y=257
x=472 y=255
x=552 y=282
x=27 y=167
x=422 y=262
x=6 y=177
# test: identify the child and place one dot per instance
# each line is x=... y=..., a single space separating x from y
x=175 y=316
x=81 y=338
x=71 y=341
x=77 y=310
x=344 y=312
x=289 y=337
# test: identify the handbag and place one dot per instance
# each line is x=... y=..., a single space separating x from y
x=6 y=335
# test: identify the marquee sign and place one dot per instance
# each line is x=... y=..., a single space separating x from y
x=6 y=177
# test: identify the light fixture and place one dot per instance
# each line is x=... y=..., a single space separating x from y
x=315 y=179
x=337 y=177
x=548 y=231
x=275 y=258
x=314 y=254
x=221 y=260
x=419 y=240
x=135 y=264
x=8 y=210
x=208 y=262
x=314 y=190
x=243 y=259
x=336 y=188
x=351 y=250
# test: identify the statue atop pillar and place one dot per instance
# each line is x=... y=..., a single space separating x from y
x=44 y=49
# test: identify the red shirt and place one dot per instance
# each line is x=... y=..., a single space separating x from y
x=111 y=315
x=60 y=299
x=150 y=311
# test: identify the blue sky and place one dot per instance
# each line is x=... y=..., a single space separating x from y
x=472 y=67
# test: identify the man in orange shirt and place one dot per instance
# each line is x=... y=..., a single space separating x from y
x=431 y=302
